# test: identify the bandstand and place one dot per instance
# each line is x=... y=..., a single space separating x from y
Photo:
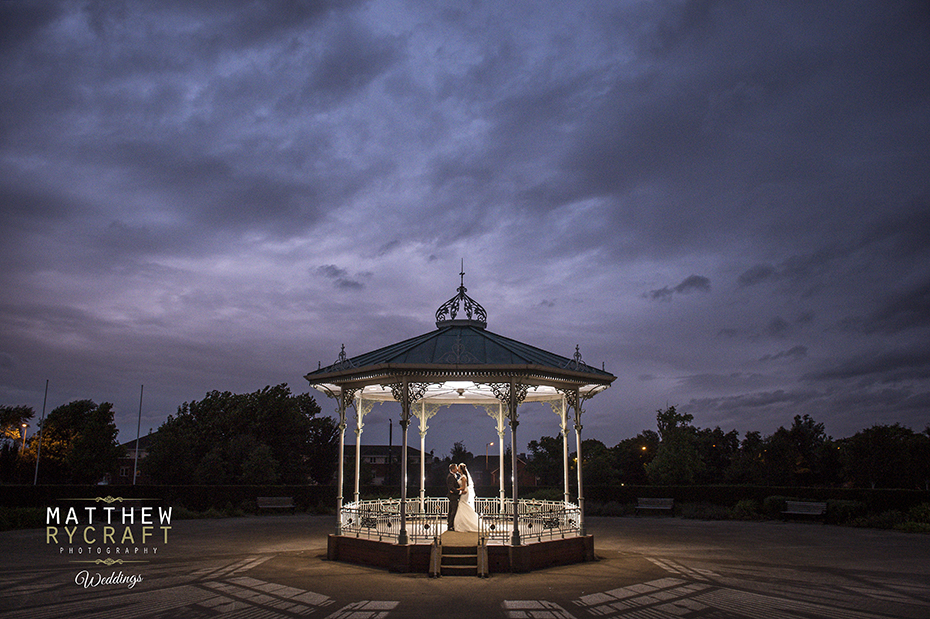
x=460 y=362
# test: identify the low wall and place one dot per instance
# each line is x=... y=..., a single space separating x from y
x=501 y=559
x=384 y=555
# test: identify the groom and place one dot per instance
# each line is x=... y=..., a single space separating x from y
x=452 y=483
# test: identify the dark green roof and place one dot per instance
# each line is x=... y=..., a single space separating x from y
x=462 y=345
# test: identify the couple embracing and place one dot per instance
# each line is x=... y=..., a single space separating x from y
x=462 y=515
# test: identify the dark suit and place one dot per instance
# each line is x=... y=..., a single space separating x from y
x=452 y=483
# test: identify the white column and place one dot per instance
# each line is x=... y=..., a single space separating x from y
x=564 y=427
x=499 y=415
x=578 y=426
x=423 y=429
x=500 y=452
x=359 y=413
x=512 y=411
x=362 y=408
x=424 y=413
x=560 y=408
x=342 y=452
x=404 y=424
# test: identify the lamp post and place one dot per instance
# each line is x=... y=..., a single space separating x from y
x=487 y=445
x=23 y=450
x=35 y=480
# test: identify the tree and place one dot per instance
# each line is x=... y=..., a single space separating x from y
x=95 y=451
x=885 y=456
x=633 y=454
x=748 y=465
x=671 y=423
x=546 y=460
x=460 y=454
x=599 y=467
x=12 y=419
x=78 y=443
x=793 y=457
x=677 y=461
x=366 y=474
x=717 y=450
x=260 y=467
x=920 y=455
x=268 y=436
x=322 y=440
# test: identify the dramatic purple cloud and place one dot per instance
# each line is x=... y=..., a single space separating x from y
x=725 y=204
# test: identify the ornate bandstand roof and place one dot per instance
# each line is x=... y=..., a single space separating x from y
x=459 y=362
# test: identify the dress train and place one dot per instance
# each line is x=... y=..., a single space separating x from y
x=466 y=518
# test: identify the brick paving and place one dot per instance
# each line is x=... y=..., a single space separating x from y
x=647 y=568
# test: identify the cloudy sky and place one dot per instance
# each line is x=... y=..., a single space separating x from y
x=727 y=204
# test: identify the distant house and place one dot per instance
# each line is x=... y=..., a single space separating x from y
x=484 y=470
x=128 y=462
x=525 y=478
x=383 y=463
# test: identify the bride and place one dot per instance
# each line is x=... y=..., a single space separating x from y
x=466 y=519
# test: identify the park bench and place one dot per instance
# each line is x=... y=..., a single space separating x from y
x=655 y=504
x=275 y=502
x=804 y=508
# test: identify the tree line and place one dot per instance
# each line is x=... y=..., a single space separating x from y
x=802 y=455
x=269 y=436
x=78 y=444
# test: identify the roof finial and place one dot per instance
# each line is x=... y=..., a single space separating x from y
x=576 y=362
x=475 y=315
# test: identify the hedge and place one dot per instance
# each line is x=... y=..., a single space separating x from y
x=323 y=498
x=194 y=497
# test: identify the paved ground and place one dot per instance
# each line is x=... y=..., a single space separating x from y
x=648 y=568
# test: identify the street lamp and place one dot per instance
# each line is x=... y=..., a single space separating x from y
x=23 y=450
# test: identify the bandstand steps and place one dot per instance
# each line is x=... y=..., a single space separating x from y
x=459 y=561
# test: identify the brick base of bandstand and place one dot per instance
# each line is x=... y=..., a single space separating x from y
x=414 y=558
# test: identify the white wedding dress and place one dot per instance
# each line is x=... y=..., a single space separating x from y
x=466 y=518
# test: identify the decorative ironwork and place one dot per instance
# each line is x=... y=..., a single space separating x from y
x=425 y=413
x=339 y=410
x=350 y=395
x=415 y=391
x=571 y=399
x=343 y=362
x=576 y=362
x=397 y=391
x=497 y=413
x=462 y=303
x=426 y=518
x=502 y=392
x=458 y=354
x=575 y=399
x=362 y=408
x=560 y=409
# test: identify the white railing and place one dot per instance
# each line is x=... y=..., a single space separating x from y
x=538 y=521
